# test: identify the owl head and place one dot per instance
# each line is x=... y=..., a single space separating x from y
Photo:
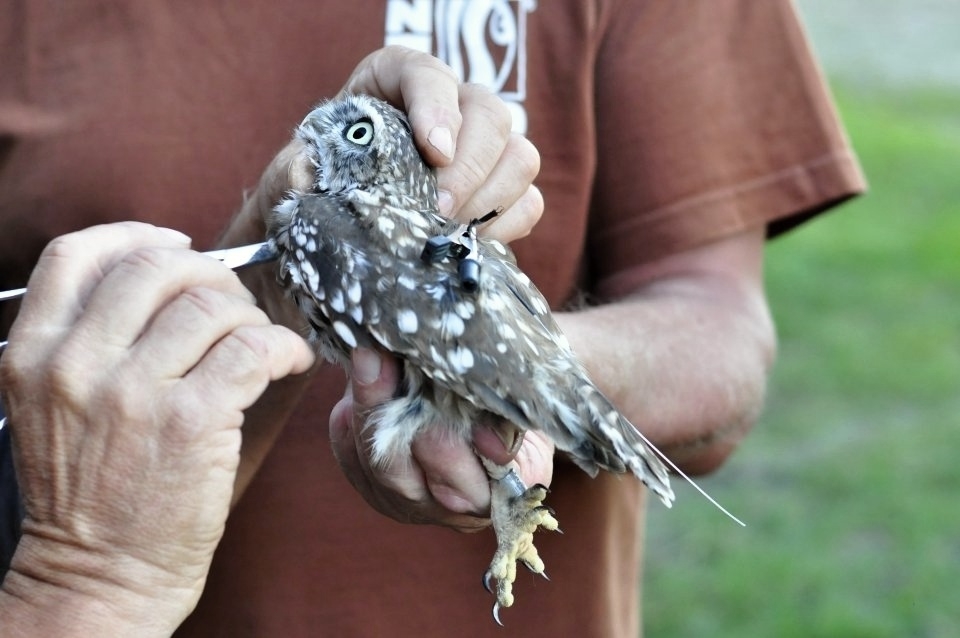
x=360 y=142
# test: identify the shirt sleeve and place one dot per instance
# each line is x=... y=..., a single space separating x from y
x=723 y=121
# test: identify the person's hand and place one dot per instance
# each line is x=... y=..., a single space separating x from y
x=125 y=381
x=441 y=481
x=464 y=131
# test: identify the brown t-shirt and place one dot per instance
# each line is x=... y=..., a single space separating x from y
x=662 y=125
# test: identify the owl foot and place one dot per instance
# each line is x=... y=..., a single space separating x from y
x=516 y=512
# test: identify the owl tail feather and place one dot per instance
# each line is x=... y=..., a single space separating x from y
x=689 y=480
x=641 y=456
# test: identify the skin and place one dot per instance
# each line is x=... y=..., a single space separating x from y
x=697 y=388
x=127 y=428
x=126 y=466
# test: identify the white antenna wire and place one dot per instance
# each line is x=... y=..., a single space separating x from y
x=689 y=480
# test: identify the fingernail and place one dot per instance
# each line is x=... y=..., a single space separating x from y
x=445 y=202
x=441 y=139
x=366 y=366
x=510 y=436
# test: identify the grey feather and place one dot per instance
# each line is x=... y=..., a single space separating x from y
x=350 y=256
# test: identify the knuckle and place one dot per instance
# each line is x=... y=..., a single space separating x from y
x=189 y=417
x=526 y=156
x=64 y=247
x=63 y=371
x=531 y=207
x=207 y=302
x=68 y=376
x=299 y=173
x=11 y=370
x=466 y=175
x=146 y=260
x=70 y=245
x=246 y=350
x=425 y=59
x=121 y=399
x=493 y=108
x=413 y=61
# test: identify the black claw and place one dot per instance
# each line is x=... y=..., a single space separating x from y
x=487 y=577
x=496 y=613
x=542 y=487
x=544 y=574
x=546 y=508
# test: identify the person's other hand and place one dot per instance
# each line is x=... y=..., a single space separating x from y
x=125 y=381
x=441 y=481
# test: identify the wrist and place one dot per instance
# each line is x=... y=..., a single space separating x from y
x=59 y=589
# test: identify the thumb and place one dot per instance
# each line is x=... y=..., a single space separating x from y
x=374 y=378
x=497 y=440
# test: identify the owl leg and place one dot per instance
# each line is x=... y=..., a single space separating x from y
x=516 y=512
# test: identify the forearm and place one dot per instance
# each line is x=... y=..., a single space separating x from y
x=686 y=359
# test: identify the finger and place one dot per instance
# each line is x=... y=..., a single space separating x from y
x=505 y=183
x=454 y=476
x=72 y=265
x=290 y=169
x=482 y=140
x=374 y=378
x=397 y=486
x=237 y=369
x=422 y=86
x=142 y=282
x=186 y=328
x=509 y=189
x=498 y=441
x=517 y=221
x=531 y=452
x=508 y=182
x=535 y=458
x=343 y=442
x=352 y=454
x=374 y=381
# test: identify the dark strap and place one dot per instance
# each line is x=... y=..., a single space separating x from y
x=11 y=508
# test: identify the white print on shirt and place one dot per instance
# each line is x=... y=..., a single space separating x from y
x=484 y=41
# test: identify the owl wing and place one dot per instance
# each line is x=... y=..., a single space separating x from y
x=498 y=348
x=501 y=349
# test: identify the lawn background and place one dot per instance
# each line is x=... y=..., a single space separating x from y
x=850 y=484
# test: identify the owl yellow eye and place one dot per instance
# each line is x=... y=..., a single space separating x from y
x=360 y=132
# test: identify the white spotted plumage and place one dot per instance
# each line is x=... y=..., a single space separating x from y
x=350 y=254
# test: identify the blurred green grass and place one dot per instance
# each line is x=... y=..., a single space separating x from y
x=850 y=485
